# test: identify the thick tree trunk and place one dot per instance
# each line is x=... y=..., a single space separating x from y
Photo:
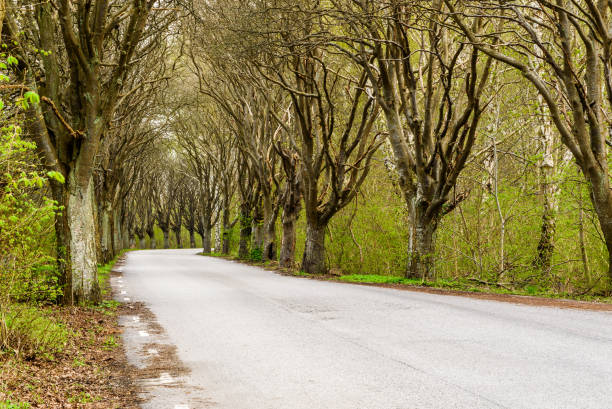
x=602 y=201
x=179 y=241
x=192 y=240
x=226 y=231
x=291 y=212
x=142 y=244
x=269 y=230
x=206 y=239
x=79 y=209
x=258 y=229
x=152 y=242
x=245 y=233
x=421 y=255
x=125 y=238
x=287 y=251
x=313 y=261
x=166 y=239
x=106 y=245
x=117 y=233
x=218 y=234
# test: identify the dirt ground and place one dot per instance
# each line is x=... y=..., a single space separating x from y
x=91 y=372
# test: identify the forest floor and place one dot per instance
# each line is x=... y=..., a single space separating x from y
x=483 y=292
x=91 y=371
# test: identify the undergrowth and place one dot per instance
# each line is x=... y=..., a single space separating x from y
x=28 y=332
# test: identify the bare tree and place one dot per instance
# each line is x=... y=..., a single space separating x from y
x=571 y=41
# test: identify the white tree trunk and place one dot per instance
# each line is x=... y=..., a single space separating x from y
x=81 y=222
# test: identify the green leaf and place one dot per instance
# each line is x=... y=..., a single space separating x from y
x=32 y=97
x=57 y=176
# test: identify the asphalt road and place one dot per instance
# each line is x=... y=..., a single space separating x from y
x=254 y=339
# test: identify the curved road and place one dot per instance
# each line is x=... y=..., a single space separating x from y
x=253 y=339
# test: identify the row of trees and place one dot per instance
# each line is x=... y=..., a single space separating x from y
x=206 y=115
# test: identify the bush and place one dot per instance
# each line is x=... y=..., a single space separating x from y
x=28 y=332
x=27 y=265
x=256 y=254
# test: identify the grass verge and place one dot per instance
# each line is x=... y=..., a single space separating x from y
x=458 y=287
x=90 y=369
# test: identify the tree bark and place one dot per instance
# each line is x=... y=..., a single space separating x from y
x=179 y=241
x=269 y=230
x=258 y=229
x=421 y=258
x=192 y=240
x=166 y=239
x=116 y=233
x=287 y=251
x=313 y=261
x=226 y=230
x=106 y=246
x=245 y=233
x=82 y=246
x=291 y=211
x=602 y=201
x=142 y=243
x=206 y=239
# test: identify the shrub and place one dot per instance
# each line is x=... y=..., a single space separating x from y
x=27 y=264
x=28 y=332
x=256 y=254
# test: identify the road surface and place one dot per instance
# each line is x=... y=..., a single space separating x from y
x=253 y=339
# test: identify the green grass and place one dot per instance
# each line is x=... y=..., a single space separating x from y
x=29 y=332
x=7 y=404
x=461 y=285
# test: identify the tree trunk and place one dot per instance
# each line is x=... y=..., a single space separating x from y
x=142 y=243
x=258 y=229
x=166 y=239
x=602 y=201
x=313 y=261
x=245 y=233
x=421 y=256
x=548 y=190
x=116 y=234
x=125 y=238
x=81 y=251
x=192 y=240
x=546 y=244
x=218 y=234
x=179 y=242
x=152 y=242
x=291 y=212
x=269 y=230
x=287 y=251
x=206 y=239
x=106 y=245
x=226 y=230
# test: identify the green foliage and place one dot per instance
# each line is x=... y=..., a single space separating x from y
x=11 y=405
x=28 y=332
x=110 y=343
x=27 y=263
x=256 y=254
x=83 y=397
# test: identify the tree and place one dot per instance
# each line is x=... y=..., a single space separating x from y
x=429 y=86
x=578 y=59
x=96 y=43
